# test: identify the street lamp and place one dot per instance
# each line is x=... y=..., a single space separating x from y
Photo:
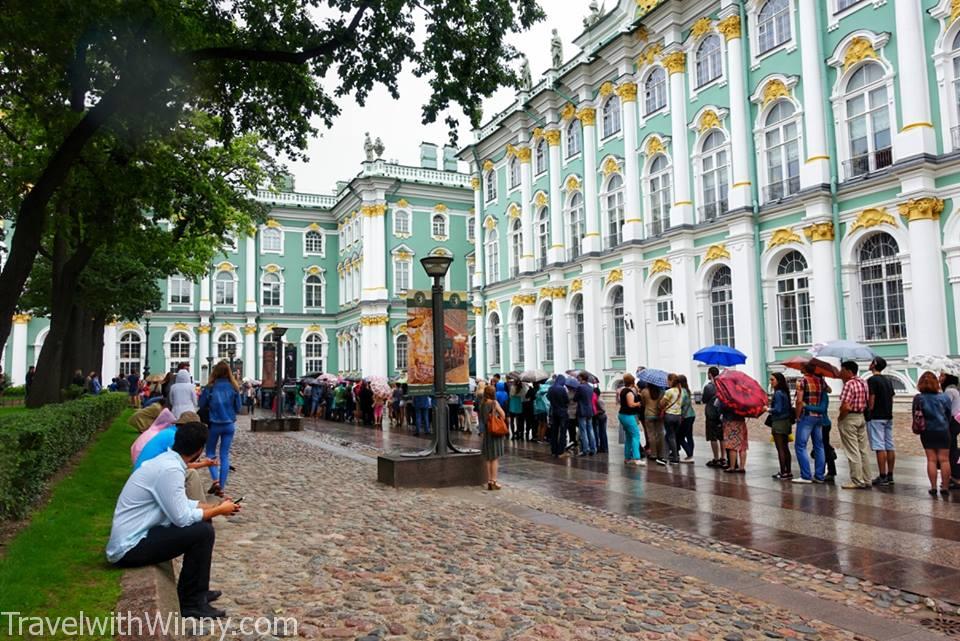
x=278 y=333
x=231 y=352
x=146 y=358
x=209 y=366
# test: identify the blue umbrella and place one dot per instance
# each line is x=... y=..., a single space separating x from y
x=656 y=377
x=720 y=355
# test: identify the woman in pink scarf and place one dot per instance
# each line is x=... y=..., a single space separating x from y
x=163 y=421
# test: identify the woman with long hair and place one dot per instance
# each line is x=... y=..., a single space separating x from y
x=492 y=447
x=652 y=423
x=780 y=421
x=935 y=437
x=221 y=397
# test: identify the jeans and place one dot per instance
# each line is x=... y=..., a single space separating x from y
x=558 y=433
x=423 y=420
x=600 y=431
x=588 y=444
x=807 y=427
x=685 y=436
x=222 y=433
x=631 y=445
x=671 y=426
x=162 y=543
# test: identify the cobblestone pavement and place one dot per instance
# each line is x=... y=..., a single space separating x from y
x=321 y=541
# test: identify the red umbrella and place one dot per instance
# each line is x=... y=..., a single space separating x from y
x=741 y=394
x=823 y=368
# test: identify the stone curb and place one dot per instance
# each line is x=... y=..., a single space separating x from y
x=149 y=592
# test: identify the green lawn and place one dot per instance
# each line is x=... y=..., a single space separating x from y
x=56 y=565
x=12 y=409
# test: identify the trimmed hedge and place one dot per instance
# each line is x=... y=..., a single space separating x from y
x=14 y=391
x=35 y=444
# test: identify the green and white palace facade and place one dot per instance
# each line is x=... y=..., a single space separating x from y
x=768 y=174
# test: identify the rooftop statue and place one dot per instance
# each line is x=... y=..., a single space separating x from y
x=526 y=80
x=556 y=50
x=378 y=147
x=594 y=17
x=368 y=147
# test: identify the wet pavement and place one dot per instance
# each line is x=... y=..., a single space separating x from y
x=896 y=536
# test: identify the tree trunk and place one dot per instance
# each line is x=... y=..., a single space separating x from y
x=97 y=325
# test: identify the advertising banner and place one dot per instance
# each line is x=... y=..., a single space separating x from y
x=420 y=335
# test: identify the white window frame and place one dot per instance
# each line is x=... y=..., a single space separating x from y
x=541 y=157
x=842 y=120
x=760 y=138
x=514 y=172
x=444 y=221
x=658 y=195
x=490 y=185
x=126 y=364
x=491 y=249
x=175 y=342
x=948 y=76
x=402 y=266
x=542 y=246
x=220 y=346
x=307 y=251
x=398 y=366
x=723 y=151
x=517 y=334
x=835 y=14
x=495 y=342
x=726 y=303
x=695 y=50
x=795 y=293
x=322 y=284
x=471 y=229
x=613 y=210
x=271 y=231
x=664 y=301
x=572 y=138
x=314 y=340
x=263 y=282
x=516 y=247
x=618 y=326
x=611 y=118
x=647 y=112
x=234 y=289
x=886 y=281
x=575 y=219
x=180 y=282
x=402 y=214
x=547 y=346
x=578 y=334
x=753 y=21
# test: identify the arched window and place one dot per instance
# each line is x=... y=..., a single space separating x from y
x=868 y=120
x=655 y=91
x=271 y=240
x=773 y=25
x=658 y=186
x=402 y=350
x=179 y=348
x=573 y=138
x=313 y=291
x=543 y=237
x=619 y=328
x=540 y=158
x=781 y=141
x=471 y=229
x=401 y=221
x=714 y=169
x=721 y=306
x=793 y=300
x=516 y=246
x=576 y=220
x=665 y=301
x=709 y=60
x=613 y=202
x=313 y=242
x=224 y=289
x=494 y=342
x=226 y=347
x=881 y=287
x=611 y=116
x=514 y=173
x=130 y=344
x=491 y=185
x=313 y=354
x=579 y=331
x=546 y=312
x=270 y=292
x=438 y=226
x=493 y=257
x=518 y=334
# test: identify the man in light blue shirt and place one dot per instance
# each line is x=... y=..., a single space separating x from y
x=154 y=521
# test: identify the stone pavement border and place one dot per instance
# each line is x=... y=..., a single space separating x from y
x=788 y=598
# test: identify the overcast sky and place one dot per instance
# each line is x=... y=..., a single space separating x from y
x=336 y=153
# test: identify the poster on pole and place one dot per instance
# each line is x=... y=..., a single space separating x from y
x=420 y=335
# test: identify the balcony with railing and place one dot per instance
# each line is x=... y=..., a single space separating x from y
x=781 y=189
x=295 y=199
x=868 y=163
x=711 y=211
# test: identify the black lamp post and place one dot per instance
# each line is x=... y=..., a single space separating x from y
x=231 y=352
x=146 y=357
x=278 y=333
x=209 y=366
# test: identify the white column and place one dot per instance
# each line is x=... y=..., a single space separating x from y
x=682 y=210
x=684 y=276
x=250 y=274
x=109 y=368
x=203 y=349
x=636 y=348
x=592 y=326
x=816 y=169
x=478 y=232
x=250 y=348
x=633 y=223
x=205 y=292
x=591 y=239
x=18 y=362
x=740 y=195
x=561 y=348
x=373 y=349
x=927 y=333
x=480 y=327
x=530 y=360
x=916 y=134
x=372 y=274
x=746 y=299
x=823 y=304
x=527 y=260
x=557 y=248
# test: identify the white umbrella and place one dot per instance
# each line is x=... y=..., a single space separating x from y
x=940 y=364
x=844 y=350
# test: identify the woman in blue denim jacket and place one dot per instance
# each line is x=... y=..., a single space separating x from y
x=222 y=398
x=935 y=437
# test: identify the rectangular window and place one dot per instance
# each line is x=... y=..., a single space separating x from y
x=401 y=273
x=846 y=4
x=180 y=290
x=224 y=292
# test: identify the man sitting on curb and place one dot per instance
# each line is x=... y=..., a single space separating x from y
x=154 y=521
x=163 y=441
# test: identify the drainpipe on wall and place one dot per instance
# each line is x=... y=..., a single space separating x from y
x=754 y=203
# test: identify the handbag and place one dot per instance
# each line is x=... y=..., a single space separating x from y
x=919 y=420
x=496 y=425
x=769 y=420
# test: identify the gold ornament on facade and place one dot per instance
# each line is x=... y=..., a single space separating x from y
x=709 y=120
x=540 y=200
x=872 y=217
x=374 y=321
x=373 y=211
x=440 y=208
x=615 y=276
x=649 y=54
x=645 y=6
x=477 y=310
x=475 y=183
x=627 y=92
x=783 y=236
x=606 y=89
x=859 y=49
x=553 y=137
x=314 y=328
x=23 y=319
x=493 y=306
x=249 y=329
x=181 y=326
x=404 y=204
x=271 y=269
x=729 y=27
x=537 y=134
x=524 y=299
x=587 y=116
x=313 y=270
x=225 y=267
x=700 y=27
x=642 y=34
x=660 y=265
x=675 y=62
x=204 y=328
x=774 y=90
x=490 y=223
x=572 y=183
x=127 y=325
x=487 y=165
x=716 y=252
x=610 y=166
x=921 y=209
x=273 y=224
x=569 y=112
x=513 y=211
x=576 y=286
x=402 y=255
x=524 y=154
x=313 y=227
x=954 y=10
x=654 y=147
x=818 y=232
x=511 y=151
x=225 y=327
x=553 y=292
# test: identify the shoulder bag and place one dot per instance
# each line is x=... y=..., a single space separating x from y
x=496 y=425
x=919 y=420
